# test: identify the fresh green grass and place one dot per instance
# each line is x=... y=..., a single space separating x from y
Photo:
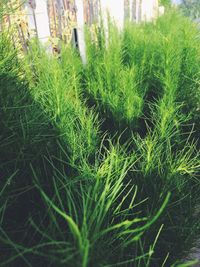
x=165 y=126
x=113 y=86
x=97 y=208
x=101 y=162
x=55 y=86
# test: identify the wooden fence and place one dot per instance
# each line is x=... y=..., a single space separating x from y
x=55 y=20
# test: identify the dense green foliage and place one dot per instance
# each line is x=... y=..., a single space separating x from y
x=100 y=163
x=165 y=3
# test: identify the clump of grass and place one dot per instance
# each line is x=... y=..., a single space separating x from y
x=91 y=215
x=140 y=65
x=23 y=123
x=55 y=85
x=168 y=157
x=113 y=86
x=96 y=203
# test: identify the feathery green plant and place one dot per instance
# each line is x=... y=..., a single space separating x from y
x=94 y=214
x=55 y=85
x=113 y=86
x=95 y=203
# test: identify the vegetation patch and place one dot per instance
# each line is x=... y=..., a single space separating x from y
x=100 y=163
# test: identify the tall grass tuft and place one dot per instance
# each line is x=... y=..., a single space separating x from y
x=55 y=85
x=93 y=214
x=113 y=86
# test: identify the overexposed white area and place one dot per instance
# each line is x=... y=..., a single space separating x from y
x=42 y=20
x=115 y=8
x=161 y=10
x=139 y=10
x=149 y=9
x=29 y=12
x=137 y=15
x=80 y=29
x=133 y=10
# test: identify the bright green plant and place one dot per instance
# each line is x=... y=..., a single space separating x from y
x=113 y=86
x=93 y=214
x=55 y=85
x=87 y=200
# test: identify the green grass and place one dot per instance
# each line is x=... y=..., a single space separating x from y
x=112 y=85
x=100 y=163
x=165 y=127
x=55 y=86
x=98 y=208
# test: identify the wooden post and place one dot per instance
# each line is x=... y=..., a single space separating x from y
x=115 y=9
x=131 y=4
x=80 y=29
x=139 y=10
x=41 y=18
x=149 y=10
x=60 y=9
x=30 y=7
x=54 y=18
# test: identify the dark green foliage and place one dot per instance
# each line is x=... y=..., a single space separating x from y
x=101 y=162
